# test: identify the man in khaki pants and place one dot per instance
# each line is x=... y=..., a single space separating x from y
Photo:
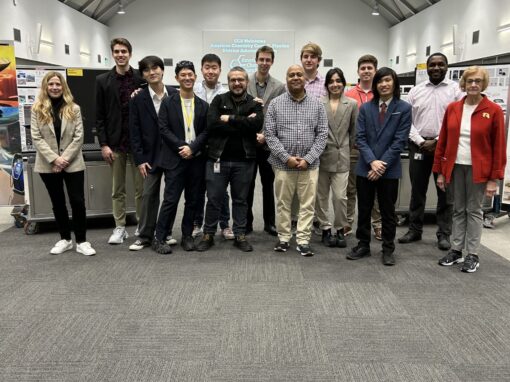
x=113 y=93
x=296 y=130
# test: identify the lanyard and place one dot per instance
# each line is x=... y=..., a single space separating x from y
x=188 y=117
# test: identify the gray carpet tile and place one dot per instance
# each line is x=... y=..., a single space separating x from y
x=482 y=373
x=52 y=371
x=381 y=339
x=260 y=338
x=269 y=372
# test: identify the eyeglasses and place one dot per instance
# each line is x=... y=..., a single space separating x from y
x=471 y=81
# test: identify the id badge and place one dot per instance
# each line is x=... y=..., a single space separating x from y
x=217 y=167
x=418 y=156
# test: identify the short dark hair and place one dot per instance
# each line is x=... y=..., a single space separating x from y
x=211 y=57
x=265 y=49
x=331 y=73
x=150 y=61
x=184 y=65
x=437 y=54
x=237 y=69
x=367 y=58
x=383 y=72
x=121 y=41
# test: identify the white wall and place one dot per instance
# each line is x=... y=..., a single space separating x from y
x=434 y=27
x=344 y=29
x=61 y=25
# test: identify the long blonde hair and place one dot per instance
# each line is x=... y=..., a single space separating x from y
x=42 y=106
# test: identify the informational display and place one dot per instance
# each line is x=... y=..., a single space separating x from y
x=238 y=48
x=11 y=168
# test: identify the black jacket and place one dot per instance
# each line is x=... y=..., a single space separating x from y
x=239 y=123
x=143 y=127
x=108 y=113
x=171 y=129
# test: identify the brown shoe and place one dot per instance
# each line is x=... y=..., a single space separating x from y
x=347 y=230
x=378 y=234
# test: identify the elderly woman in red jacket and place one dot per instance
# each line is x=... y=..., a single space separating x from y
x=470 y=159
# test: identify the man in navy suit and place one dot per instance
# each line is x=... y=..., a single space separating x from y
x=145 y=144
x=382 y=129
x=182 y=125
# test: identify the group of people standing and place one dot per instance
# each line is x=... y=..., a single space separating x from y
x=305 y=138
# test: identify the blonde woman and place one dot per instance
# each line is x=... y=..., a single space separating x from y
x=470 y=159
x=57 y=134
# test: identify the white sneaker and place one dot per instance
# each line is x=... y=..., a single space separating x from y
x=61 y=246
x=85 y=249
x=137 y=231
x=197 y=230
x=139 y=244
x=118 y=236
x=228 y=234
x=170 y=240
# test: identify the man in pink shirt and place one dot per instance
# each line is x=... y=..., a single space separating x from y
x=362 y=93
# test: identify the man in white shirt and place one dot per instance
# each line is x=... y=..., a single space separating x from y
x=145 y=145
x=429 y=101
x=209 y=88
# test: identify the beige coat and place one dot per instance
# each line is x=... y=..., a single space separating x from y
x=341 y=135
x=45 y=142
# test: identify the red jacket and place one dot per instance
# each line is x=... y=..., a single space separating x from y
x=488 y=141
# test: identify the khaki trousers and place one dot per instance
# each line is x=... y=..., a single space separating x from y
x=337 y=182
x=304 y=185
x=119 y=167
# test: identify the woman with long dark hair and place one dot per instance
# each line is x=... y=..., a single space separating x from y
x=57 y=134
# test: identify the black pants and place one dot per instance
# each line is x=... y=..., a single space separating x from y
x=187 y=176
x=419 y=172
x=387 y=193
x=74 y=182
x=267 y=180
x=238 y=175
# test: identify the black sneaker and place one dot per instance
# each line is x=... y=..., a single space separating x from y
x=340 y=240
x=161 y=247
x=328 y=239
x=241 y=243
x=358 y=252
x=305 y=250
x=452 y=257
x=388 y=258
x=471 y=264
x=281 y=246
x=187 y=243
x=205 y=243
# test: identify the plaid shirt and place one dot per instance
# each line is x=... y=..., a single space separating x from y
x=316 y=86
x=295 y=128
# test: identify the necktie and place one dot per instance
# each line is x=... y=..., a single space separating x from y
x=382 y=113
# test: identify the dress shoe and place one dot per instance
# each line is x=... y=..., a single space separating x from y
x=187 y=243
x=409 y=237
x=443 y=243
x=340 y=240
x=358 y=252
x=271 y=229
x=388 y=258
x=328 y=239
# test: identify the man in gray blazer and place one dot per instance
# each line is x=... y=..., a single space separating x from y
x=263 y=88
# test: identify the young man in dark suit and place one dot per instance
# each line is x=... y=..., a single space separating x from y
x=382 y=130
x=113 y=93
x=182 y=125
x=146 y=142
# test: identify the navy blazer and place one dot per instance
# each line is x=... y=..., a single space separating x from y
x=108 y=113
x=383 y=141
x=171 y=129
x=144 y=128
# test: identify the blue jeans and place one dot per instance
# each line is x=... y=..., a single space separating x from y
x=238 y=175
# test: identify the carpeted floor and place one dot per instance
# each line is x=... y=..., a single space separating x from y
x=224 y=315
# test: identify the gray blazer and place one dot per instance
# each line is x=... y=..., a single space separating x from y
x=45 y=142
x=273 y=89
x=341 y=135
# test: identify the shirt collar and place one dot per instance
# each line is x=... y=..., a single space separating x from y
x=444 y=82
x=387 y=102
x=153 y=93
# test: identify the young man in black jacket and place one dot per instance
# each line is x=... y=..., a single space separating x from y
x=233 y=121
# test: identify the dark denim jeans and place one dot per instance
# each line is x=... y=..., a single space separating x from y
x=239 y=176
